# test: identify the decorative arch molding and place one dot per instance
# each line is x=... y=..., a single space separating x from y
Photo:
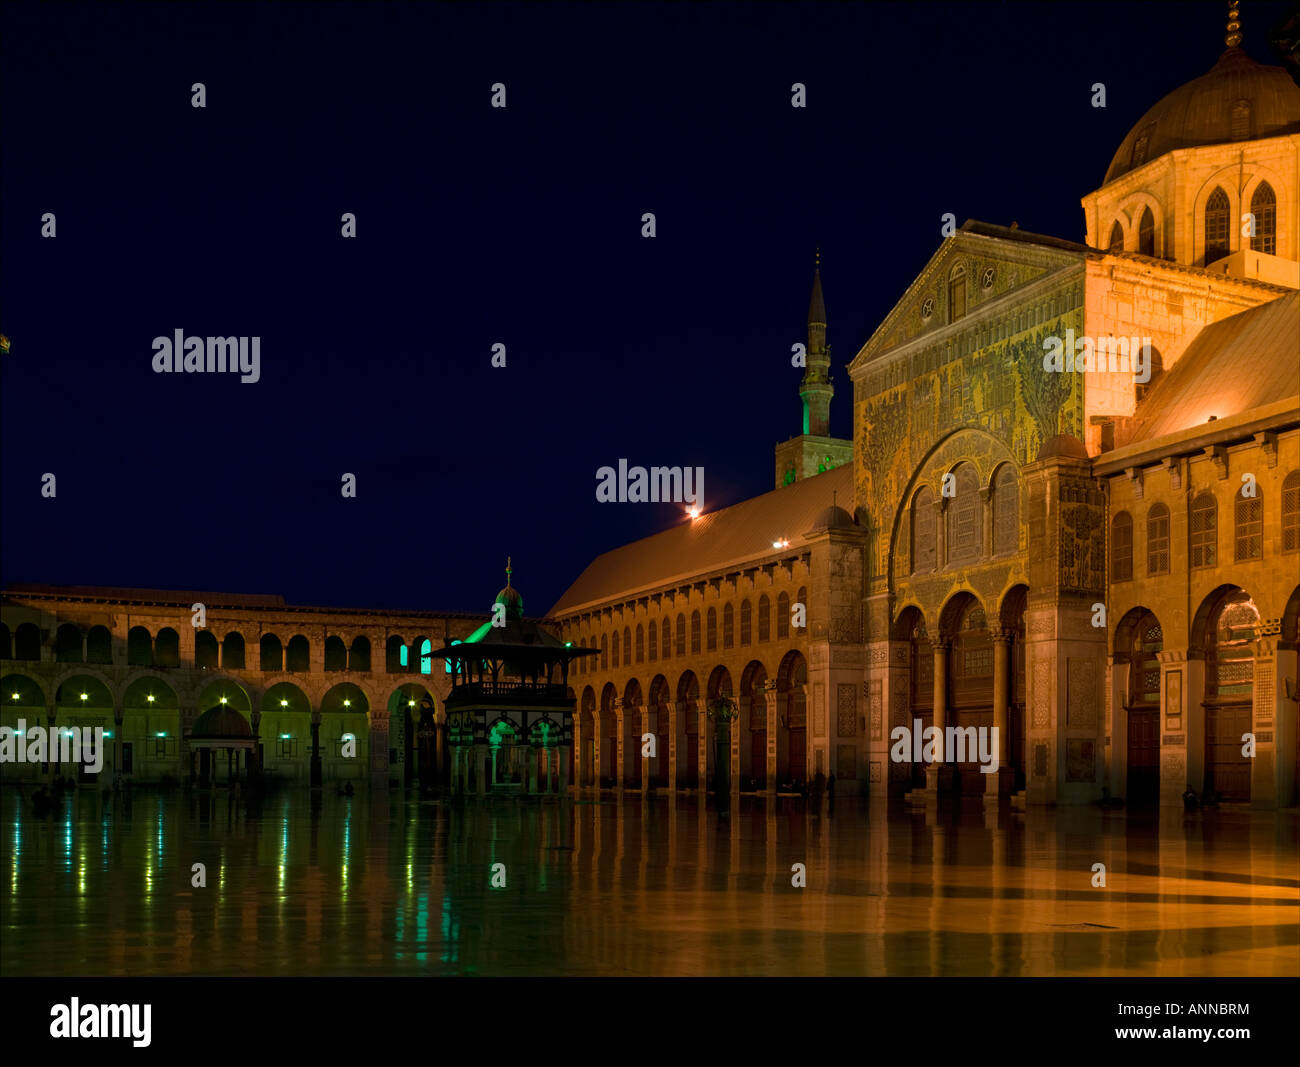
x=86 y=670
x=943 y=457
x=954 y=607
x=186 y=694
x=1125 y=631
x=313 y=692
x=1131 y=207
x=1223 y=178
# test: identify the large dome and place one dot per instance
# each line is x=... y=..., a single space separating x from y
x=1237 y=100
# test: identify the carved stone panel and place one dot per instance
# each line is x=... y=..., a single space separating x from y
x=875 y=701
x=1081 y=702
x=1042 y=697
x=819 y=709
x=846 y=717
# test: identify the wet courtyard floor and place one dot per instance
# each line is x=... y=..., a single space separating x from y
x=388 y=884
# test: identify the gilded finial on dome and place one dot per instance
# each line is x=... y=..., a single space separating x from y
x=817 y=259
x=1233 y=37
x=508 y=571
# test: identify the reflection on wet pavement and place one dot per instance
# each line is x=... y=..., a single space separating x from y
x=387 y=884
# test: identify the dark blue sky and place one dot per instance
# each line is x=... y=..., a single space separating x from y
x=476 y=226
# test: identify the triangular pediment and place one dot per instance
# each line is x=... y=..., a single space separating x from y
x=995 y=261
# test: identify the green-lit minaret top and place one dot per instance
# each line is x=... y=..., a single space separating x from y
x=509 y=596
x=816 y=390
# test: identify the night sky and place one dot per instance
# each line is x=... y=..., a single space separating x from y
x=478 y=225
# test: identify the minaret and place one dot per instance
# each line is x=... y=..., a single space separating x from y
x=816 y=390
x=814 y=451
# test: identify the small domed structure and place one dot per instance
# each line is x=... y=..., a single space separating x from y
x=833 y=518
x=221 y=723
x=1062 y=446
x=509 y=597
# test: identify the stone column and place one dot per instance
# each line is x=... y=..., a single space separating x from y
x=1000 y=781
x=938 y=775
x=643 y=717
x=770 y=710
x=1271 y=769
x=564 y=770
x=480 y=768
x=674 y=719
x=315 y=753
x=577 y=746
x=941 y=533
x=117 y=743
x=595 y=752
x=378 y=749
x=619 y=743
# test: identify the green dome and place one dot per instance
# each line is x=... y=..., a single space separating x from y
x=514 y=603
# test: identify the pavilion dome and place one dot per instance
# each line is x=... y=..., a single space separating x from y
x=221 y=722
x=514 y=603
x=1236 y=100
x=833 y=518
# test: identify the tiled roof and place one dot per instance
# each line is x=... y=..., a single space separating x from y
x=1239 y=363
x=718 y=539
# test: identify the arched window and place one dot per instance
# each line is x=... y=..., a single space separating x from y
x=1006 y=512
x=956 y=294
x=232 y=652
x=1144 y=666
x=1116 y=242
x=206 y=650
x=1204 y=537
x=1155 y=367
x=965 y=528
x=764 y=618
x=667 y=639
x=782 y=616
x=640 y=643
x=604 y=652
x=746 y=622
x=711 y=630
x=695 y=633
x=99 y=645
x=6 y=648
x=67 y=643
x=1216 y=226
x=1121 y=547
x=1263 y=205
x=297 y=655
x=271 y=653
x=728 y=626
x=394 y=660
x=27 y=641
x=924 y=539
x=614 y=642
x=627 y=646
x=681 y=635
x=1291 y=513
x=139 y=647
x=1249 y=514
x=167 y=648
x=1158 y=539
x=336 y=654
x=359 y=656
x=801 y=599
x=1147 y=233
x=652 y=632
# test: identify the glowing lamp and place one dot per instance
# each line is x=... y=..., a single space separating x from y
x=223 y=700
x=347 y=703
x=85 y=696
x=149 y=698
x=284 y=703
